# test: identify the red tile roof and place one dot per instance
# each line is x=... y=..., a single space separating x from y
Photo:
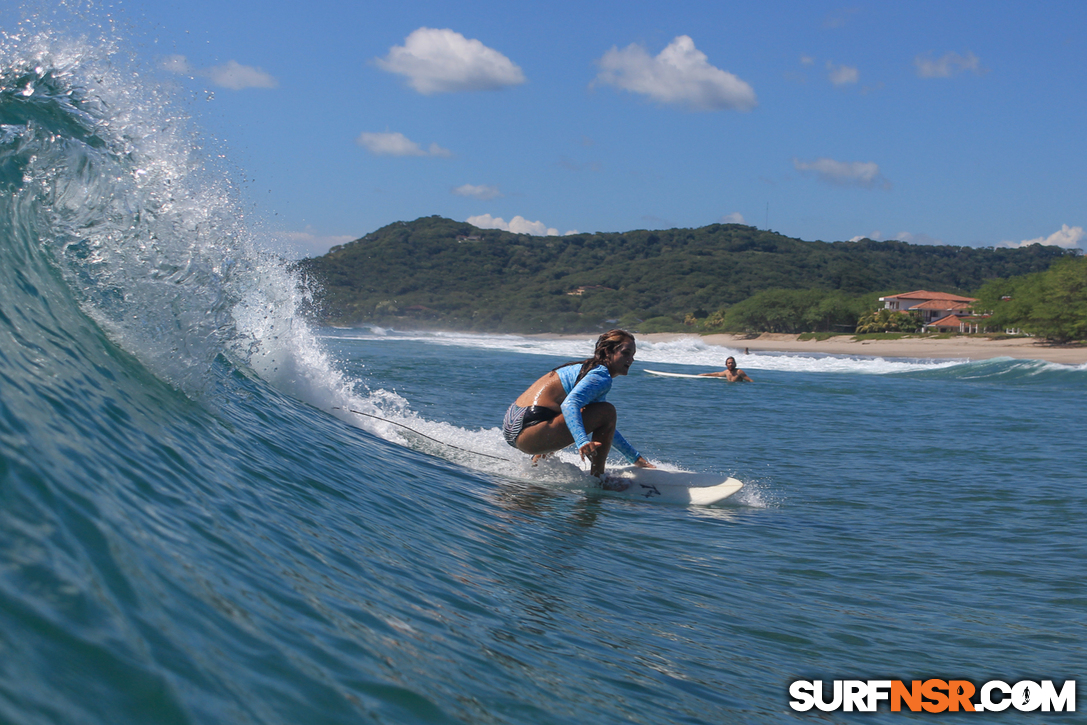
x=926 y=295
x=941 y=305
x=949 y=321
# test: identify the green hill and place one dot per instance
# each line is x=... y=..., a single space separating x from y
x=439 y=273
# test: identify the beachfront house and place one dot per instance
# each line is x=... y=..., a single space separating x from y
x=939 y=310
x=959 y=323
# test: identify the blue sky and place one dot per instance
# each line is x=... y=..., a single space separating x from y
x=933 y=122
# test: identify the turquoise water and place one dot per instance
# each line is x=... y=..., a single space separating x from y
x=195 y=529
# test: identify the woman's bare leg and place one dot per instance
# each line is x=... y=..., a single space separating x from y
x=553 y=435
x=546 y=437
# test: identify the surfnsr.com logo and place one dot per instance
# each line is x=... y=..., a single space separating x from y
x=934 y=696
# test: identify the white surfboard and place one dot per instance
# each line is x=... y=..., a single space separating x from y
x=658 y=485
x=684 y=375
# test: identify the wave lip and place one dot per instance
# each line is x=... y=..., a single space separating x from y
x=109 y=187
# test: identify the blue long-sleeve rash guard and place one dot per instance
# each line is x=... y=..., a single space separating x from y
x=591 y=389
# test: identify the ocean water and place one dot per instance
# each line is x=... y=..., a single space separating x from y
x=212 y=511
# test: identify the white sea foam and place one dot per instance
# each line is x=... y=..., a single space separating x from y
x=689 y=352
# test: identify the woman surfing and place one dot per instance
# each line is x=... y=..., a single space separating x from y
x=567 y=405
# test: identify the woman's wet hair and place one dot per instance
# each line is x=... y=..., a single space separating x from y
x=606 y=344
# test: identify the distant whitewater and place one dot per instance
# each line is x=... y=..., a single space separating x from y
x=213 y=512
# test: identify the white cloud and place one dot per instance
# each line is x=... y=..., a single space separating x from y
x=517 y=225
x=1067 y=237
x=840 y=75
x=947 y=65
x=435 y=150
x=679 y=75
x=807 y=60
x=232 y=74
x=397 y=144
x=483 y=192
x=235 y=76
x=733 y=218
x=444 y=61
x=844 y=173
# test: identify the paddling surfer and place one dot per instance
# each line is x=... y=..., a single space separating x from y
x=731 y=372
x=567 y=405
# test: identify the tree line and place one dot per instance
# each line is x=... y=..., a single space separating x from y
x=1051 y=304
x=442 y=274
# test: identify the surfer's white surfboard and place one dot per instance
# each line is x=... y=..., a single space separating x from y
x=680 y=487
x=684 y=375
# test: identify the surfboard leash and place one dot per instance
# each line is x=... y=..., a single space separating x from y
x=424 y=435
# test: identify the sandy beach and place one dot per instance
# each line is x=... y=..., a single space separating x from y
x=966 y=348
x=959 y=348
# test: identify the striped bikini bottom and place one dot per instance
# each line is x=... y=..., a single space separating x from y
x=518 y=418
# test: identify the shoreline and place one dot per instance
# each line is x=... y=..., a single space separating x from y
x=959 y=348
